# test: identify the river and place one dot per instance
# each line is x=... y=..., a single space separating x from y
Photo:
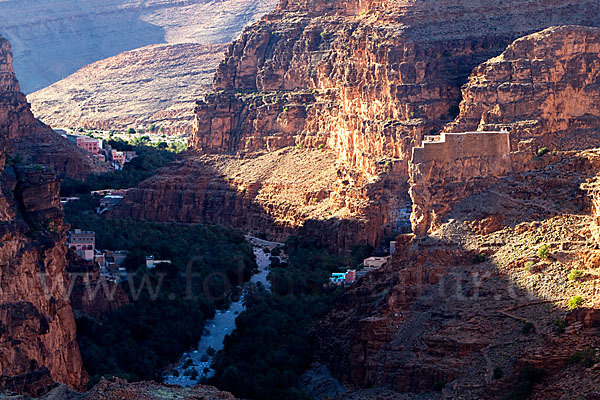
x=217 y=328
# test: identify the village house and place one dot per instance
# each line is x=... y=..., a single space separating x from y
x=88 y=144
x=83 y=242
x=151 y=262
x=117 y=158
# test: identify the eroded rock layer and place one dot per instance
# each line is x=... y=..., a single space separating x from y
x=28 y=139
x=37 y=341
x=366 y=79
x=544 y=88
x=133 y=89
x=450 y=167
x=285 y=192
x=471 y=306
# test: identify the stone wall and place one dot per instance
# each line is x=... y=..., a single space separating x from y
x=447 y=168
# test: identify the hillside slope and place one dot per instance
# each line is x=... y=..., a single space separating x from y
x=52 y=39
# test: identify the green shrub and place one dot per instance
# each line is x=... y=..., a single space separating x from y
x=478 y=258
x=438 y=386
x=542 y=151
x=543 y=251
x=498 y=373
x=321 y=146
x=528 y=328
x=575 y=302
x=559 y=325
x=529 y=266
x=575 y=274
x=131 y=131
x=299 y=146
x=586 y=358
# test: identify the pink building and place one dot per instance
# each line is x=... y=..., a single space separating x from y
x=83 y=242
x=350 y=276
x=118 y=157
x=89 y=144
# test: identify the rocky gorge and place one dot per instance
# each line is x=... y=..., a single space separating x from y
x=326 y=119
x=362 y=82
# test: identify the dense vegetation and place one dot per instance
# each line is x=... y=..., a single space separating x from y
x=264 y=357
x=151 y=157
x=137 y=341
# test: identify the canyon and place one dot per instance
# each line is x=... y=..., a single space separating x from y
x=135 y=51
x=449 y=311
x=323 y=121
x=363 y=82
x=39 y=353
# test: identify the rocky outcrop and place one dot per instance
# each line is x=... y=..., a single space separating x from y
x=37 y=340
x=289 y=191
x=543 y=88
x=452 y=311
x=91 y=293
x=37 y=328
x=359 y=76
x=365 y=79
x=449 y=168
x=117 y=389
x=27 y=139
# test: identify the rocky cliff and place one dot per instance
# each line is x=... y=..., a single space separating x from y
x=28 y=139
x=450 y=167
x=37 y=338
x=543 y=88
x=37 y=329
x=468 y=308
x=365 y=81
x=288 y=191
x=461 y=313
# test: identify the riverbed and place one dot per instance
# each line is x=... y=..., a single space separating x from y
x=218 y=327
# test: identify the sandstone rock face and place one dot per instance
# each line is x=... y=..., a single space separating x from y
x=38 y=344
x=55 y=38
x=543 y=88
x=450 y=167
x=367 y=80
x=285 y=192
x=92 y=294
x=154 y=85
x=438 y=316
x=28 y=138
